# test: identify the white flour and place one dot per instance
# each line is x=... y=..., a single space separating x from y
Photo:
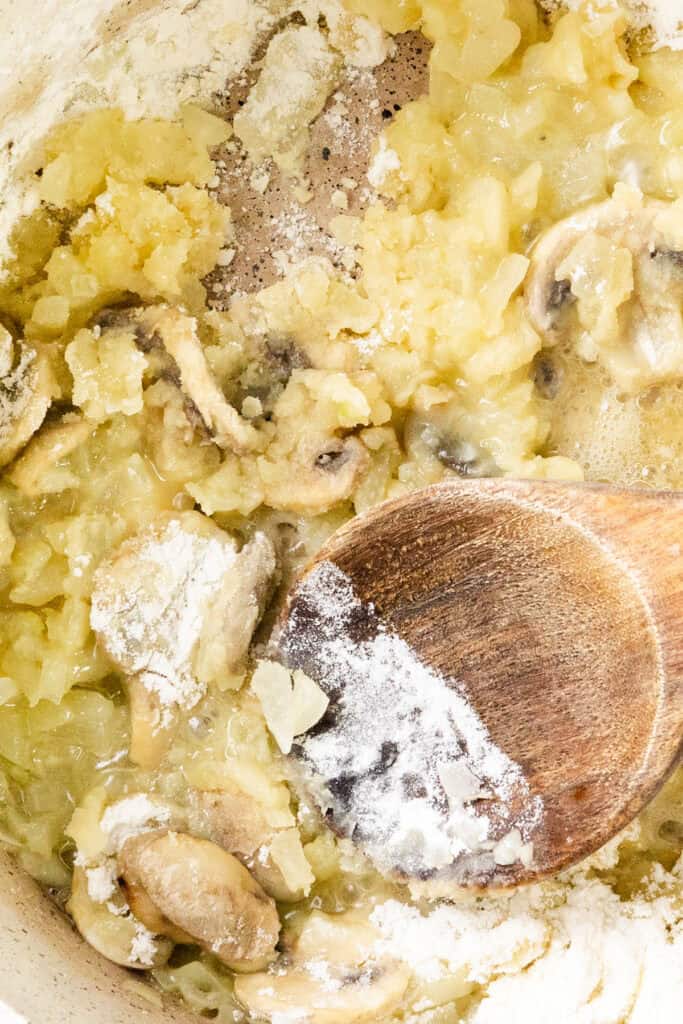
x=149 y=606
x=410 y=767
x=384 y=162
x=131 y=816
x=69 y=62
x=185 y=52
x=298 y=73
x=101 y=881
x=294 y=232
x=443 y=940
x=143 y=948
x=664 y=17
x=582 y=957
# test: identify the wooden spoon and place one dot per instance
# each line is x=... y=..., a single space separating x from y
x=558 y=610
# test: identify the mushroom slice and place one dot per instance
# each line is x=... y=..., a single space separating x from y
x=207 y=894
x=145 y=911
x=344 y=938
x=112 y=931
x=152 y=726
x=330 y=977
x=27 y=387
x=178 y=333
x=36 y=471
x=277 y=357
x=154 y=598
x=321 y=472
x=609 y=282
x=432 y=441
x=234 y=821
x=236 y=611
x=341 y=996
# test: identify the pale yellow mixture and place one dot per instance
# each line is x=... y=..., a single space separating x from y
x=486 y=334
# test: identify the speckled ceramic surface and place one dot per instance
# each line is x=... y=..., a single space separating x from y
x=50 y=976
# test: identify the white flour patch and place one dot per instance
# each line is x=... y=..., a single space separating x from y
x=143 y=948
x=149 y=606
x=101 y=881
x=384 y=162
x=663 y=17
x=581 y=954
x=131 y=816
x=409 y=768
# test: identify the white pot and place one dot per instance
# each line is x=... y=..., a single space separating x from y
x=48 y=974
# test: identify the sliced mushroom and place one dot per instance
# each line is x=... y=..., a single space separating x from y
x=175 y=608
x=609 y=283
x=170 y=341
x=178 y=333
x=321 y=472
x=344 y=995
x=144 y=909
x=112 y=931
x=150 y=596
x=234 y=821
x=206 y=893
x=175 y=436
x=36 y=471
x=327 y=982
x=433 y=443
x=236 y=611
x=547 y=376
x=27 y=387
x=152 y=726
x=273 y=361
x=340 y=937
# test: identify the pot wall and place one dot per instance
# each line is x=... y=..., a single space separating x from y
x=48 y=974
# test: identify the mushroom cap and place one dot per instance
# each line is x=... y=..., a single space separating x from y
x=177 y=332
x=234 y=820
x=113 y=933
x=609 y=281
x=206 y=892
x=170 y=338
x=323 y=470
x=144 y=909
x=345 y=995
x=30 y=472
x=27 y=387
x=433 y=441
x=333 y=975
x=236 y=611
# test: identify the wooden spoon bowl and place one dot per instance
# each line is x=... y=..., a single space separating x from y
x=558 y=610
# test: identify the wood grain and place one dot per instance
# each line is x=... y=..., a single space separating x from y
x=560 y=609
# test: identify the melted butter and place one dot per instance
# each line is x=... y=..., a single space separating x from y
x=633 y=440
